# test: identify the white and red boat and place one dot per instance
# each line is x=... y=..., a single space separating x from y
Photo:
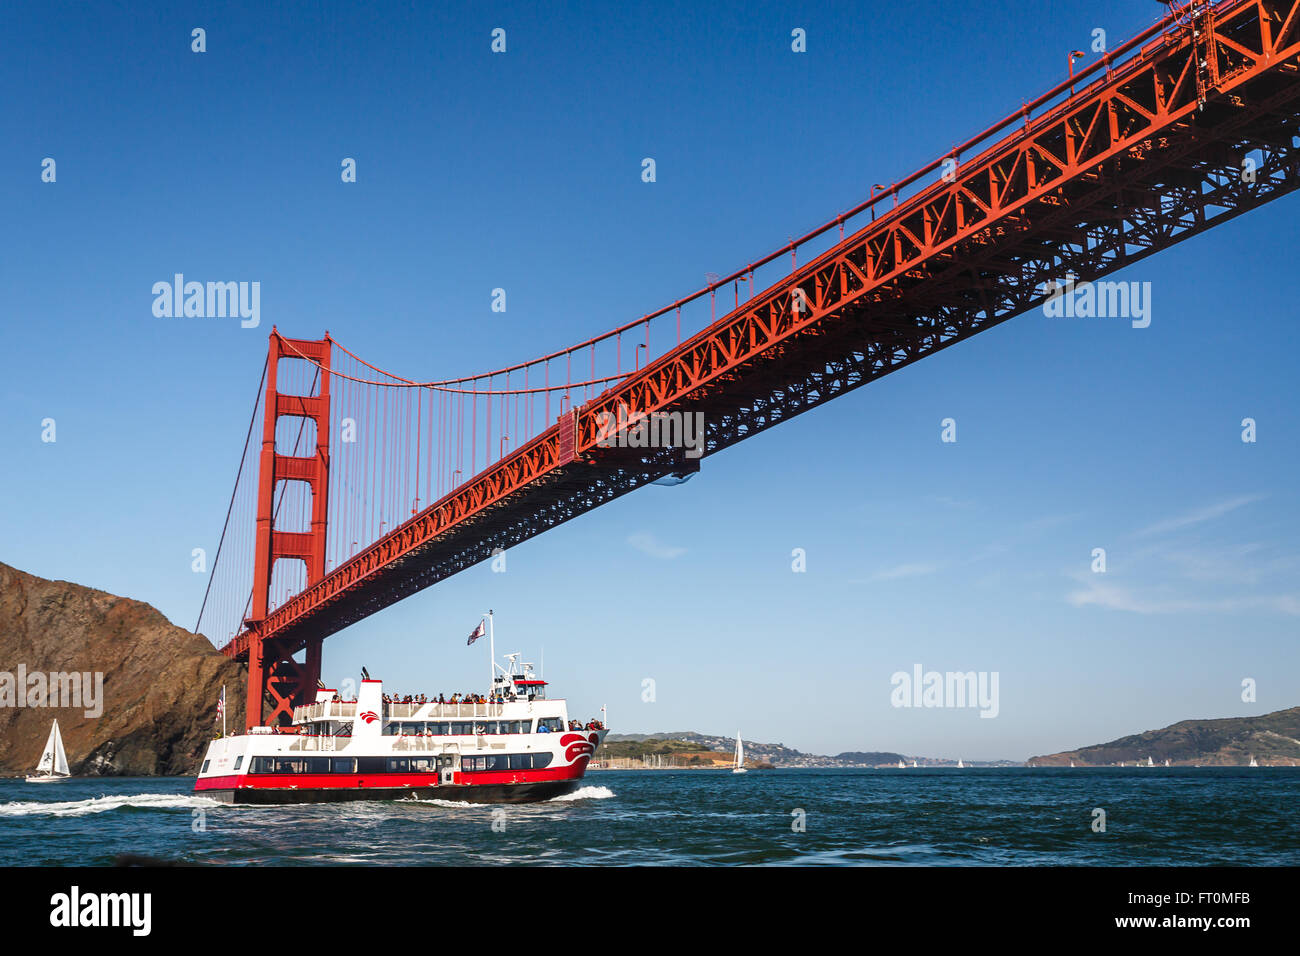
x=513 y=746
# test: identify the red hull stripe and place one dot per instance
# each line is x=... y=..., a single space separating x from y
x=334 y=781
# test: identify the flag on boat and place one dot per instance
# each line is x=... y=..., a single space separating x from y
x=221 y=705
x=478 y=632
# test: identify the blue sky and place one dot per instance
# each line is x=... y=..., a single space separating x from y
x=522 y=171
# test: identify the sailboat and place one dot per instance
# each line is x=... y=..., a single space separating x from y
x=1166 y=761
x=959 y=763
x=54 y=762
x=740 y=756
x=913 y=764
x=1254 y=762
x=1149 y=762
x=1071 y=763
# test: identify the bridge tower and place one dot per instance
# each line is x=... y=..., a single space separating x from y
x=274 y=677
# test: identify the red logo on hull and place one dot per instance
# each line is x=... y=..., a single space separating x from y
x=576 y=745
x=370 y=716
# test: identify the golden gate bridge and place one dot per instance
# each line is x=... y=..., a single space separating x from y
x=362 y=487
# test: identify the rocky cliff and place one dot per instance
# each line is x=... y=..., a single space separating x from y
x=160 y=682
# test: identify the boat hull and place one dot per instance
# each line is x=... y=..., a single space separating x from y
x=45 y=779
x=461 y=793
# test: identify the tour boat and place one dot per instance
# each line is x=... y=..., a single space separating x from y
x=513 y=747
x=739 y=766
x=54 y=762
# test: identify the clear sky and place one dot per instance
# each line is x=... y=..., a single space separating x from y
x=522 y=170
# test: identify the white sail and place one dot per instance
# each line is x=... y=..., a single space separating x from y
x=913 y=764
x=1149 y=763
x=901 y=765
x=740 y=755
x=1253 y=762
x=54 y=761
x=60 y=756
x=959 y=763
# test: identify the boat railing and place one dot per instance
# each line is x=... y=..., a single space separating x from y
x=325 y=709
x=435 y=711
x=313 y=743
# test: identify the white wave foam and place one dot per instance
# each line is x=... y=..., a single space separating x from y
x=585 y=793
x=77 y=808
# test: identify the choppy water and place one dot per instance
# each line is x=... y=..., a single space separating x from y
x=895 y=817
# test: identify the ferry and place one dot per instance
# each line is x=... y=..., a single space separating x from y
x=515 y=745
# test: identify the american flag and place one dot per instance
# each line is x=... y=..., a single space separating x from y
x=221 y=705
x=477 y=632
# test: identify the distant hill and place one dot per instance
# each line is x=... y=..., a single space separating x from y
x=1272 y=739
x=870 y=758
x=682 y=742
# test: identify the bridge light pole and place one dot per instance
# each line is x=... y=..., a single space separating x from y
x=1074 y=55
x=882 y=187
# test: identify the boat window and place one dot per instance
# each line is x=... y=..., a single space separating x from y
x=552 y=724
x=318 y=765
x=343 y=765
x=541 y=760
x=460 y=727
x=398 y=765
x=239 y=760
x=423 y=765
x=204 y=768
x=439 y=728
x=520 y=761
x=295 y=765
x=392 y=729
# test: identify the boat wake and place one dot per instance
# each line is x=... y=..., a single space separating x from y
x=79 y=808
x=584 y=793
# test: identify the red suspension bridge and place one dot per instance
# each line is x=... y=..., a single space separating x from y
x=368 y=487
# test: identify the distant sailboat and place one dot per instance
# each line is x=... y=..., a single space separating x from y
x=901 y=765
x=1149 y=762
x=54 y=762
x=1071 y=763
x=1254 y=762
x=740 y=756
x=1166 y=761
x=959 y=763
x=913 y=764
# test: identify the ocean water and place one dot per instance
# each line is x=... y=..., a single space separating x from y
x=947 y=817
